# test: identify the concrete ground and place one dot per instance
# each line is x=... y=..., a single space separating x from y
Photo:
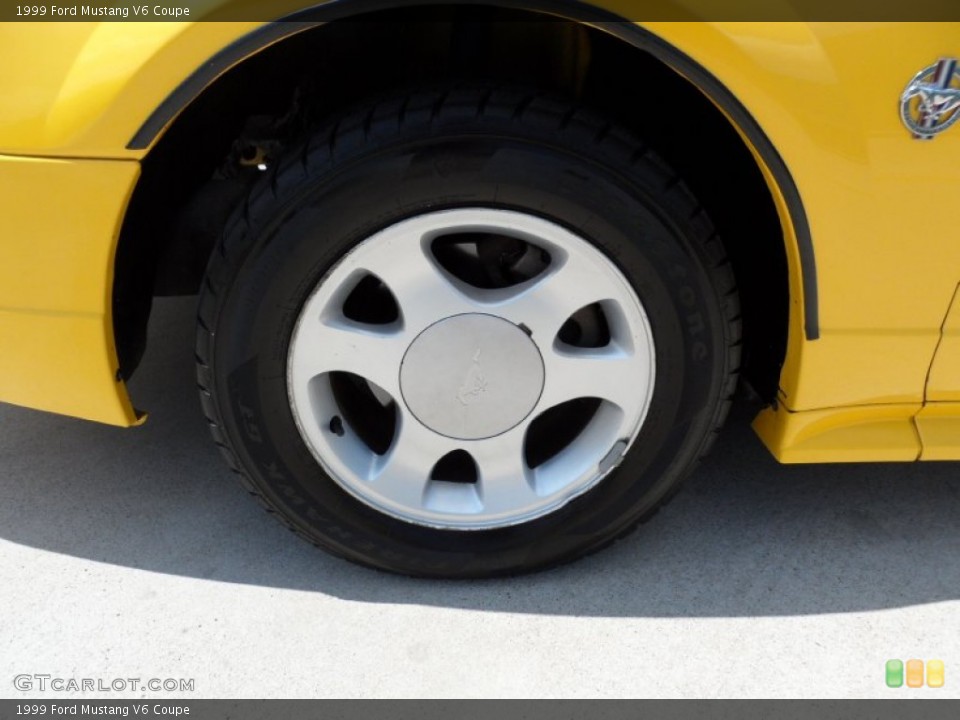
x=135 y=554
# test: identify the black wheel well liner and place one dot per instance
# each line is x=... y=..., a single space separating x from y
x=760 y=267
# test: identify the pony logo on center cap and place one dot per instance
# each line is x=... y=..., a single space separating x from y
x=474 y=384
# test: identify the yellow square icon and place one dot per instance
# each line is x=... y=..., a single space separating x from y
x=935 y=673
x=914 y=673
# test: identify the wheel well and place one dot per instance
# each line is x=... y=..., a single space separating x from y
x=203 y=164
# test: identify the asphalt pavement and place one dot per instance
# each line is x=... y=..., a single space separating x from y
x=135 y=554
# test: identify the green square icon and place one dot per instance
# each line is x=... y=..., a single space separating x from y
x=894 y=673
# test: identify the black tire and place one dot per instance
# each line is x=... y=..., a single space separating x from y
x=505 y=148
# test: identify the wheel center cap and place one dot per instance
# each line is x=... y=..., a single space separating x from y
x=471 y=376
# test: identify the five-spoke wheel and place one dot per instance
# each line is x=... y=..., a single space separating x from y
x=418 y=381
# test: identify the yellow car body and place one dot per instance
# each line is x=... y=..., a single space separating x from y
x=874 y=375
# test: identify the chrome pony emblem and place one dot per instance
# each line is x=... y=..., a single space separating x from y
x=474 y=384
x=931 y=102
